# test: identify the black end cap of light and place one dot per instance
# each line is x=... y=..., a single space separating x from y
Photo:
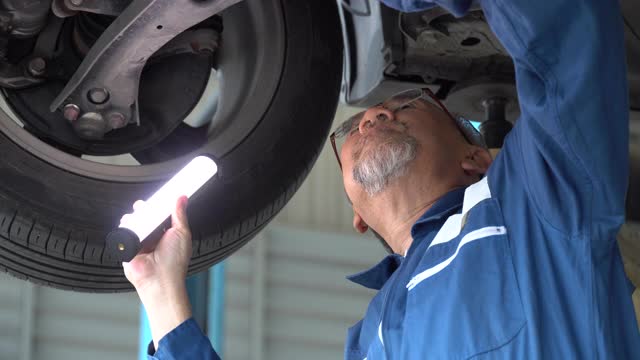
x=123 y=244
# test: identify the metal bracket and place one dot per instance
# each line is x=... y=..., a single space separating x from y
x=22 y=75
x=106 y=84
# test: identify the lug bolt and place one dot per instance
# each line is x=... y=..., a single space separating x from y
x=37 y=66
x=90 y=126
x=116 y=120
x=71 y=112
x=98 y=95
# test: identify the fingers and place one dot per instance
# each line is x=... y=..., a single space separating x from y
x=138 y=270
x=179 y=216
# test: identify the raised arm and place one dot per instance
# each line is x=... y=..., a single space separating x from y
x=570 y=144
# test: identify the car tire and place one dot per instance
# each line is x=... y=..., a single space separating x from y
x=53 y=222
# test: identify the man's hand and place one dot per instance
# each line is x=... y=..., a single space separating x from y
x=159 y=275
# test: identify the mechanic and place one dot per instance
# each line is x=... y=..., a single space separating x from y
x=508 y=258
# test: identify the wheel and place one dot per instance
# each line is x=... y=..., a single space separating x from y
x=273 y=114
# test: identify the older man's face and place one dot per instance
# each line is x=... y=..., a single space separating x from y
x=384 y=146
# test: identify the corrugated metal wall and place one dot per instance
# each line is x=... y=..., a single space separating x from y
x=320 y=203
x=38 y=323
x=287 y=298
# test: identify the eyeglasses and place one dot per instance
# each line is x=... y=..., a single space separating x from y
x=394 y=104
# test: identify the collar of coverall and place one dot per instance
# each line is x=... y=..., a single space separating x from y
x=375 y=277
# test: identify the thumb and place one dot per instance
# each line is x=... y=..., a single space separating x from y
x=179 y=216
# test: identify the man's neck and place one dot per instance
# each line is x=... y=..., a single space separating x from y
x=400 y=232
x=401 y=208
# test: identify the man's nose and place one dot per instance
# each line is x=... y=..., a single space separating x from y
x=372 y=116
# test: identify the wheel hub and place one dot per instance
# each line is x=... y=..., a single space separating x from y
x=248 y=69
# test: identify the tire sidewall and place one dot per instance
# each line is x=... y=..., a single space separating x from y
x=255 y=179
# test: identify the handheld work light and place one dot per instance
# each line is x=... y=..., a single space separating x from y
x=126 y=240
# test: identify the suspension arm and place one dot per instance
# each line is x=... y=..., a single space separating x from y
x=105 y=86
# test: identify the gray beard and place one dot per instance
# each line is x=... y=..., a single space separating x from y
x=388 y=161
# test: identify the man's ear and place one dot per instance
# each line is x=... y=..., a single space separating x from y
x=358 y=223
x=476 y=161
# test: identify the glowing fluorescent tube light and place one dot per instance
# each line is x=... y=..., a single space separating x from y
x=134 y=228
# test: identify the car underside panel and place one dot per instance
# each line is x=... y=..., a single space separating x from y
x=387 y=51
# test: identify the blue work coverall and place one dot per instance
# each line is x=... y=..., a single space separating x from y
x=523 y=264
